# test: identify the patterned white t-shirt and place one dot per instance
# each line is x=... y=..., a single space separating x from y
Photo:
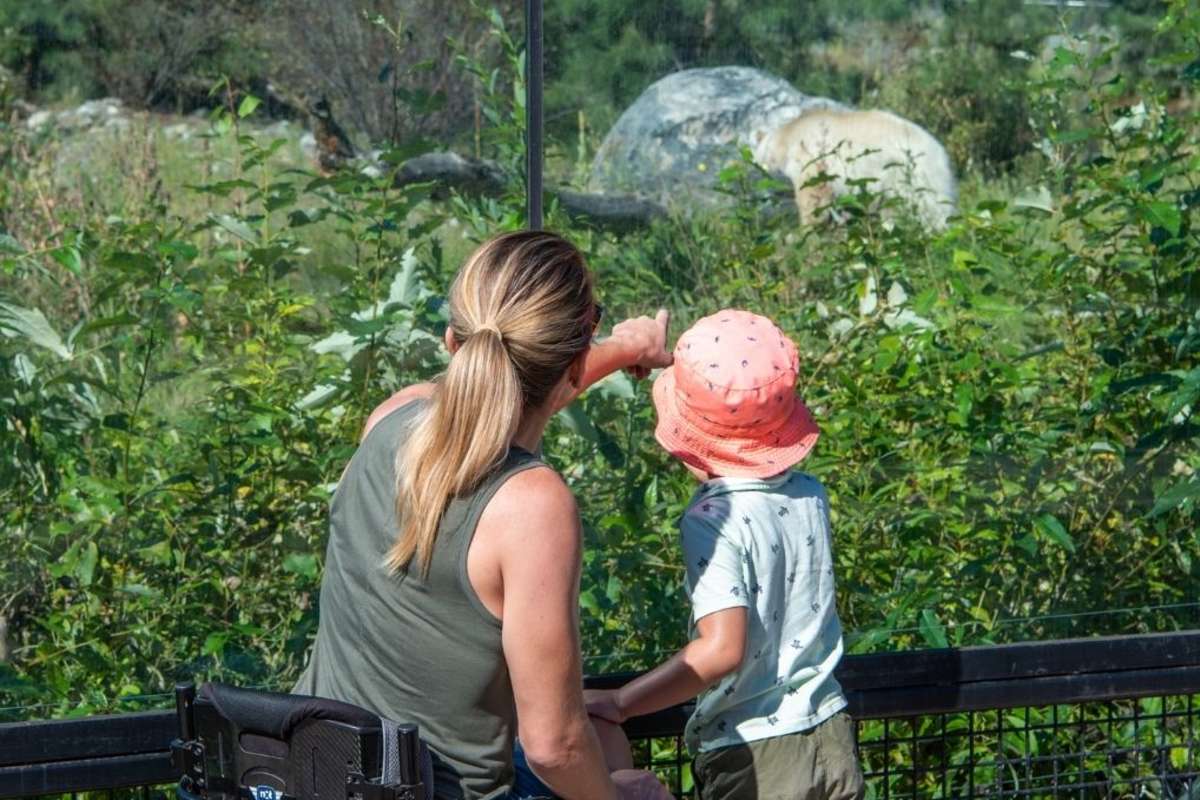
x=765 y=545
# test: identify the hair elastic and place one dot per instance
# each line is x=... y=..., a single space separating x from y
x=491 y=326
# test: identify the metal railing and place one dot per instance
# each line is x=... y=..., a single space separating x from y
x=1080 y=718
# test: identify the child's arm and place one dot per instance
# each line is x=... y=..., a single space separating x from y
x=713 y=558
x=717 y=650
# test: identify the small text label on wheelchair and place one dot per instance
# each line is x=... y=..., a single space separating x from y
x=265 y=793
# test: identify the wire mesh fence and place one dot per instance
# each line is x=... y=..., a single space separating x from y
x=667 y=756
x=1145 y=748
x=1115 y=717
x=1115 y=749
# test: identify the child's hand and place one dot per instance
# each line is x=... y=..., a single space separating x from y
x=602 y=703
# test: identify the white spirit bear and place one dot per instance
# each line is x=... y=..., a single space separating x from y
x=899 y=158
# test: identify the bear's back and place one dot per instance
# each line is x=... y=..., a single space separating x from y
x=852 y=144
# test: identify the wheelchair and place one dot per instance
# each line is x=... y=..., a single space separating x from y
x=241 y=744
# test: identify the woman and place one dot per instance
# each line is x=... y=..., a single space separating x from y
x=451 y=585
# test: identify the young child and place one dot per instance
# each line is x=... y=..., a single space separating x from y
x=758 y=550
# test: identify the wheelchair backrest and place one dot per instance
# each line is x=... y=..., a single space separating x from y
x=237 y=744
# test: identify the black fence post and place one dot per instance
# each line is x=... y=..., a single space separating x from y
x=185 y=694
x=533 y=114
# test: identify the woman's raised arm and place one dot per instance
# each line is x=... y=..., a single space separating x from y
x=638 y=344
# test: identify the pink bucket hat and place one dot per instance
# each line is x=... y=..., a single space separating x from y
x=728 y=405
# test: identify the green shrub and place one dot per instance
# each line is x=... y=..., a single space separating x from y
x=1007 y=407
x=168 y=453
x=971 y=100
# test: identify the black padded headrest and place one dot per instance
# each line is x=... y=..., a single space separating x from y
x=276 y=714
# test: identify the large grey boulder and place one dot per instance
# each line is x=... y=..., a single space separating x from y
x=673 y=141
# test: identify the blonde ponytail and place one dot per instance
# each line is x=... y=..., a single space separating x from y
x=520 y=312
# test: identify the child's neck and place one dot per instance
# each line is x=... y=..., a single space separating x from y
x=703 y=475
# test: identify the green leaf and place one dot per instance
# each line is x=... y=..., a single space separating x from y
x=1176 y=497
x=1028 y=544
x=236 y=227
x=303 y=564
x=1049 y=526
x=1075 y=136
x=932 y=630
x=247 y=106
x=1037 y=198
x=406 y=286
x=24 y=369
x=223 y=188
x=865 y=641
x=132 y=262
x=141 y=590
x=616 y=385
x=85 y=570
x=1162 y=215
x=10 y=245
x=613 y=590
x=1187 y=393
x=31 y=325
x=1066 y=57
x=576 y=419
x=66 y=563
x=13 y=683
x=214 y=644
x=69 y=258
x=964 y=259
x=304 y=216
x=319 y=396
x=650 y=495
x=1146 y=379
x=991 y=306
x=248 y=629
x=157 y=553
x=123 y=318
x=587 y=601
x=964 y=400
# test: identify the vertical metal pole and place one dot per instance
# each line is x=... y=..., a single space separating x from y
x=185 y=695
x=533 y=114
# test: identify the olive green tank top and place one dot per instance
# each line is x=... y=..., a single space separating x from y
x=412 y=648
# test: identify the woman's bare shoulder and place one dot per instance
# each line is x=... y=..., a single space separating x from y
x=535 y=507
x=527 y=539
x=541 y=482
x=418 y=391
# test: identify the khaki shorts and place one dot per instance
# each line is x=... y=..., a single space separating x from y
x=817 y=764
